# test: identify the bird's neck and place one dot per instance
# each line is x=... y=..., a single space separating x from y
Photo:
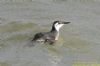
x=54 y=29
x=55 y=32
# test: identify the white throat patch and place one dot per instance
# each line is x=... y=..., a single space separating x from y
x=58 y=26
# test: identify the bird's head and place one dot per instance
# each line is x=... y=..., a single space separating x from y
x=59 y=24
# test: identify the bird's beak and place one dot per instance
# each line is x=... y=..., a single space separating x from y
x=66 y=22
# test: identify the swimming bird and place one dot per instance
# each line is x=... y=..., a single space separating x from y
x=51 y=36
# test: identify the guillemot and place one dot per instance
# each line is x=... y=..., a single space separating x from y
x=51 y=36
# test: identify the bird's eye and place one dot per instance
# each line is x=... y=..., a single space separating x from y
x=58 y=22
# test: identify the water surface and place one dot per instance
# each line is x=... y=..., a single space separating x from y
x=78 y=42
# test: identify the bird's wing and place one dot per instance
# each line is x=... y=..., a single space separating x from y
x=38 y=35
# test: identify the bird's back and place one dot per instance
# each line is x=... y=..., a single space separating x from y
x=38 y=36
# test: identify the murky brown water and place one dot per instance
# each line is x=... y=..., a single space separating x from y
x=78 y=42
